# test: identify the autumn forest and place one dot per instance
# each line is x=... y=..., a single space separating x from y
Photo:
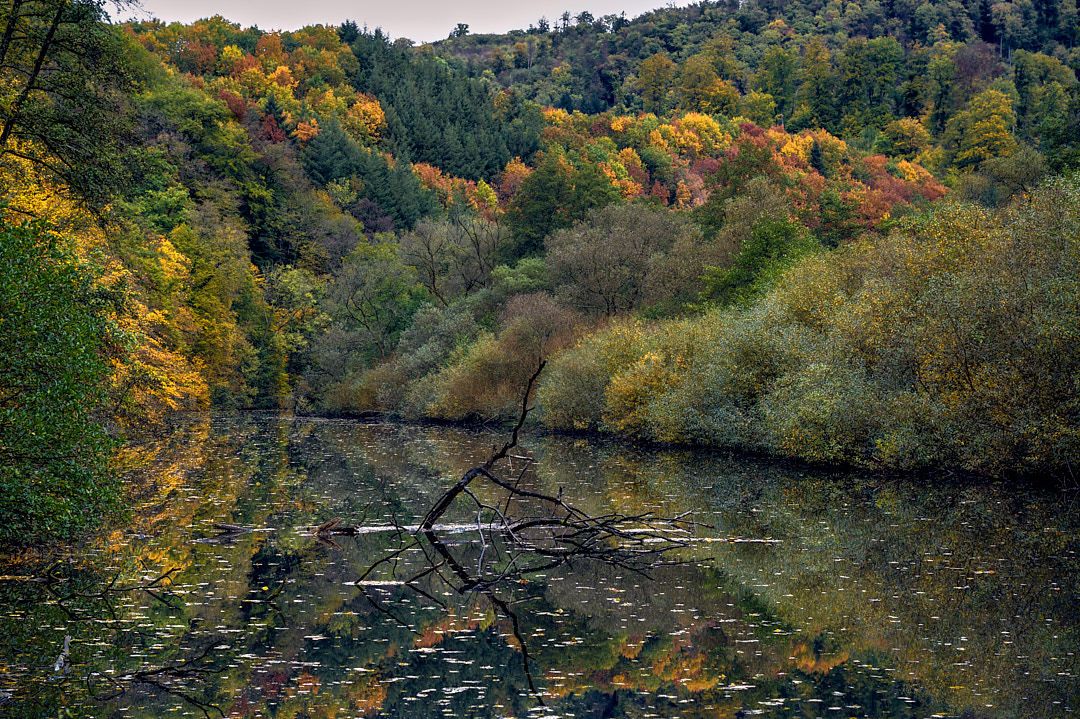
x=842 y=232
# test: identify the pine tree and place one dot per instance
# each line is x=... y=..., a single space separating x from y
x=331 y=154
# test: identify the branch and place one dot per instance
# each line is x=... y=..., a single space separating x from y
x=158 y=678
x=45 y=45
x=525 y=409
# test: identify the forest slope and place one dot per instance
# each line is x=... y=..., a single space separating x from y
x=330 y=221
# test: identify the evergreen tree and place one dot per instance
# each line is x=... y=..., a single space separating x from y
x=446 y=119
x=396 y=192
x=539 y=207
x=348 y=32
x=331 y=154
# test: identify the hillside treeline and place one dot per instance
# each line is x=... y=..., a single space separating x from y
x=329 y=221
x=910 y=78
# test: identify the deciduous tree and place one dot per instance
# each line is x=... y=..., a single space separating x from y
x=65 y=93
x=616 y=260
x=56 y=334
x=655 y=76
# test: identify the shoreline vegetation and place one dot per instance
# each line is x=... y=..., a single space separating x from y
x=840 y=236
x=877 y=355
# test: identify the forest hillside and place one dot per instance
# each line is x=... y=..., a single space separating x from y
x=832 y=231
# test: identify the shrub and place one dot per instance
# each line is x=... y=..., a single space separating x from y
x=57 y=334
x=573 y=387
x=950 y=342
x=487 y=379
x=663 y=352
x=741 y=354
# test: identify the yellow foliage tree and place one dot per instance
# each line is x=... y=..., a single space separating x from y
x=365 y=119
x=655 y=76
x=984 y=130
x=156 y=375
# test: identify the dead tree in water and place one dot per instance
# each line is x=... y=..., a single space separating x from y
x=524 y=533
x=554 y=528
x=540 y=525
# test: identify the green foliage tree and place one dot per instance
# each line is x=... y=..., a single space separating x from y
x=941 y=94
x=773 y=246
x=1060 y=136
x=759 y=107
x=867 y=83
x=815 y=104
x=776 y=77
x=904 y=138
x=700 y=88
x=65 y=94
x=537 y=208
x=372 y=297
x=1041 y=84
x=553 y=197
x=57 y=338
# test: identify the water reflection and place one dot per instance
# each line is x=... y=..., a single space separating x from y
x=871 y=597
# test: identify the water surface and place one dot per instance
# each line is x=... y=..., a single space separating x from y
x=810 y=594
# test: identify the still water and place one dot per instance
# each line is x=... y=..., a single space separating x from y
x=801 y=593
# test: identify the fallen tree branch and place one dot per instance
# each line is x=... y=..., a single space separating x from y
x=447 y=499
x=543 y=532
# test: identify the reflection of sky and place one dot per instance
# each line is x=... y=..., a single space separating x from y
x=420 y=20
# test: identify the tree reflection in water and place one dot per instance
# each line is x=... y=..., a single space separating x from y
x=519 y=535
x=877 y=599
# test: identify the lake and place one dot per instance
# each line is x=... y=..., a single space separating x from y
x=796 y=592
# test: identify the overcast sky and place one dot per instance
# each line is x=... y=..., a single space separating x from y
x=419 y=20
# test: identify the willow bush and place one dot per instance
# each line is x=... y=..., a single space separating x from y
x=572 y=391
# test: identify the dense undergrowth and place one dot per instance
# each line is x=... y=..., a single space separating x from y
x=949 y=342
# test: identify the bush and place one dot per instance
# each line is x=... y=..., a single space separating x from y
x=573 y=387
x=488 y=378
x=56 y=337
x=741 y=354
x=950 y=342
x=773 y=246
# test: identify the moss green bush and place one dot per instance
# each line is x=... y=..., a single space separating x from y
x=953 y=341
x=572 y=390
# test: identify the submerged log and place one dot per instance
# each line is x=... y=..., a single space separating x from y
x=232 y=528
